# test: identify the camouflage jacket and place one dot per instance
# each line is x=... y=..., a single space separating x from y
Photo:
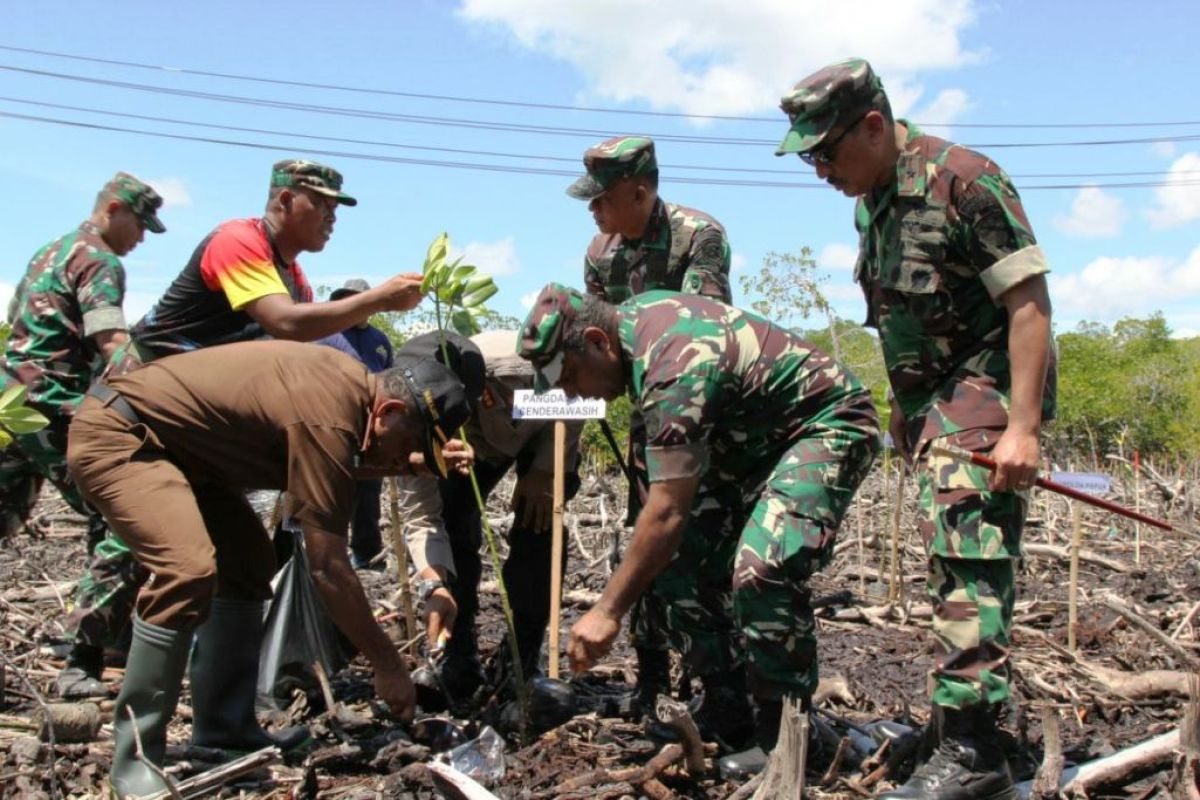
x=72 y=289
x=937 y=249
x=683 y=250
x=725 y=393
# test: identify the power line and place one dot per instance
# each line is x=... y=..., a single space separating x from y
x=515 y=127
x=499 y=154
x=522 y=170
x=775 y=120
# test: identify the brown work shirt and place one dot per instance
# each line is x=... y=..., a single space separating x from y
x=261 y=415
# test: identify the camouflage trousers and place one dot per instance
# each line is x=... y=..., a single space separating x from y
x=737 y=588
x=648 y=617
x=973 y=539
x=29 y=461
x=102 y=607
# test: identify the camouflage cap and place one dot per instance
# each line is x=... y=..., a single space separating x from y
x=609 y=161
x=840 y=92
x=311 y=175
x=540 y=339
x=140 y=197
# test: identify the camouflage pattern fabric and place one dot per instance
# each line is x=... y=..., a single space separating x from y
x=311 y=175
x=72 y=289
x=102 y=606
x=938 y=248
x=683 y=249
x=838 y=94
x=24 y=466
x=610 y=161
x=781 y=436
x=140 y=197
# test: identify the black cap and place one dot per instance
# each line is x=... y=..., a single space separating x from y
x=441 y=401
x=465 y=359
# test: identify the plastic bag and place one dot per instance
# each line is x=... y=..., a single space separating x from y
x=482 y=758
x=297 y=633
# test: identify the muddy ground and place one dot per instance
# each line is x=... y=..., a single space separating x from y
x=1136 y=616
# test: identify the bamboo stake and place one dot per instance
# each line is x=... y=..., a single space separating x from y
x=556 y=546
x=1137 y=506
x=895 y=587
x=401 y=551
x=1073 y=592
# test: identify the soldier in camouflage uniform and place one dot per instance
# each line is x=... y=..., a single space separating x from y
x=645 y=243
x=955 y=283
x=768 y=435
x=66 y=323
x=243 y=282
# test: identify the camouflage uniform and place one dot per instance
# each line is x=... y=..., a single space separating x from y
x=683 y=250
x=232 y=266
x=938 y=247
x=72 y=290
x=780 y=436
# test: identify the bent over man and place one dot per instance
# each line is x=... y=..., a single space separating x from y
x=737 y=409
x=166 y=453
x=243 y=282
x=443 y=526
x=955 y=283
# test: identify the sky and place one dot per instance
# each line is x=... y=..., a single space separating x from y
x=471 y=117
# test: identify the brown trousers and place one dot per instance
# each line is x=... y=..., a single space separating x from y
x=199 y=539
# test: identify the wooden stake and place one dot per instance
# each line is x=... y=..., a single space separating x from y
x=556 y=546
x=1073 y=591
x=401 y=551
x=895 y=589
x=862 y=552
x=1137 y=506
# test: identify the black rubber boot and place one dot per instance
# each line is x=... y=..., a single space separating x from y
x=753 y=760
x=224 y=675
x=461 y=671
x=725 y=714
x=967 y=764
x=153 y=677
x=80 y=677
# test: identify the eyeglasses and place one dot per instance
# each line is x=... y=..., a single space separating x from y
x=825 y=152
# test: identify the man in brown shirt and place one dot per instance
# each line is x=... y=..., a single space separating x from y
x=166 y=452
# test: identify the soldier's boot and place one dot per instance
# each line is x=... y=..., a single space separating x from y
x=80 y=677
x=967 y=764
x=146 y=703
x=97 y=529
x=725 y=714
x=529 y=645
x=224 y=678
x=753 y=760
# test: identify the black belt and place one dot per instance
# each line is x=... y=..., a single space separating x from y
x=113 y=399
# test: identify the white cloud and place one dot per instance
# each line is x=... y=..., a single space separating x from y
x=1109 y=287
x=837 y=257
x=1095 y=214
x=173 y=190
x=1179 y=201
x=1163 y=149
x=732 y=58
x=494 y=258
x=737 y=263
x=527 y=300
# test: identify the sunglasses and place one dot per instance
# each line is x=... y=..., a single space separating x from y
x=824 y=153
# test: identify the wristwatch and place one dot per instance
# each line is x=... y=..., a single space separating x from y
x=428 y=587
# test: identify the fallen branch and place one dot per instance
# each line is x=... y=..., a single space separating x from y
x=675 y=715
x=1134 y=618
x=1062 y=554
x=1115 y=769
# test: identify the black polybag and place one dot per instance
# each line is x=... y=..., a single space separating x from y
x=297 y=632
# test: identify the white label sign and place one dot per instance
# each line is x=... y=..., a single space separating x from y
x=1087 y=482
x=555 y=404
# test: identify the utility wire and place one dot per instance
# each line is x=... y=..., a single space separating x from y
x=514 y=127
x=498 y=154
x=523 y=170
x=775 y=120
